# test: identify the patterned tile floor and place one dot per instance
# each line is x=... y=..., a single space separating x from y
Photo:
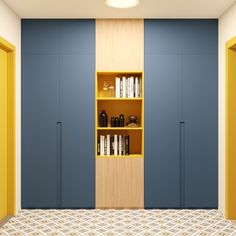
x=119 y=223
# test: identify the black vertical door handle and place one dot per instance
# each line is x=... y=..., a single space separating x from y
x=59 y=163
x=182 y=164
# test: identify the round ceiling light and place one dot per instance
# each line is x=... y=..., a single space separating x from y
x=122 y=3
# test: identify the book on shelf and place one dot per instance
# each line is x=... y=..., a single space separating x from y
x=98 y=147
x=124 y=87
x=136 y=94
x=117 y=87
x=120 y=145
x=128 y=87
x=108 y=144
x=105 y=146
x=113 y=145
x=126 y=145
x=131 y=87
x=121 y=87
x=139 y=88
x=101 y=151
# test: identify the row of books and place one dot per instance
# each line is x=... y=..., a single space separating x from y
x=130 y=87
x=116 y=145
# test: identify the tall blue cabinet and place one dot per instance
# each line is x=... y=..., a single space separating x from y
x=58 y=67
x=162 y=116
x=181 y=113
x=39 y=130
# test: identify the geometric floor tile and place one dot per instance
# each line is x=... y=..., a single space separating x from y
x=119 y=223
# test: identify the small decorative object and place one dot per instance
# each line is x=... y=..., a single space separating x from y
x=105 y=89
x=133 y=121
x=117 y=123
x=112 y=121
x=122 y=120
x=103 y=119
x=111 y=89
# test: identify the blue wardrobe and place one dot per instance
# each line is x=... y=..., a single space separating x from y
x=58 y=67
x=181 y=83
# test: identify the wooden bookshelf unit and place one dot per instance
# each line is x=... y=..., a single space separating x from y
x=114 y=106
x=120 y=178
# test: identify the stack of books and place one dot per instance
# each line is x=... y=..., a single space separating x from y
x=128 y=87
x=113 y=145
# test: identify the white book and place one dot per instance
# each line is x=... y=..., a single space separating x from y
x=101 y=145
x=124 y=86
x=136 y=87
x=120 y=145
x=108 y=145
x=117 y=87
x=131 y=87
x=115 y=145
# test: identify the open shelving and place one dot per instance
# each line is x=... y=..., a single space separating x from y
x=114 y=106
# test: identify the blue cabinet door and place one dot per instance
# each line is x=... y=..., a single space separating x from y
x=162 y=130
x=39 y=131
x=77 y=116
x=200 y=115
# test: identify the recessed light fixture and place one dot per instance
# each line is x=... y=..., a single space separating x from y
x=122 y=3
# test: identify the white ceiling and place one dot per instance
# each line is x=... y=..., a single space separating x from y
x=98 y=9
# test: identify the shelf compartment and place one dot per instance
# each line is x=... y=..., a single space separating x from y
x=114 y=108
x=110 y=79
x=135 y=139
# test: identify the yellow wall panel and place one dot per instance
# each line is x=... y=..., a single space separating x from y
x=231 y=129
x=3 y=134
x=7 y=129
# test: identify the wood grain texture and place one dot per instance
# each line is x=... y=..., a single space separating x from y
x=119 y=183
x=119 y=45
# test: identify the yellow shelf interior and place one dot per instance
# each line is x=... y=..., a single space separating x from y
x=116 y=106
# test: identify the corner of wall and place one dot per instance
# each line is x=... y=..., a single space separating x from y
x=227 y=31
x=10 y=29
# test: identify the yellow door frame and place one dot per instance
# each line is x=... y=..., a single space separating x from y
x=11 y=192
x=230 y=155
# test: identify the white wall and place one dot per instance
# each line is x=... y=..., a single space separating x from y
x=227 y=30
x=10 y=29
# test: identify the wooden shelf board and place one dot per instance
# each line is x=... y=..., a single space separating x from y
x=119 y=72
x=119 y=128
x=119 y=99
x=123 y=156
